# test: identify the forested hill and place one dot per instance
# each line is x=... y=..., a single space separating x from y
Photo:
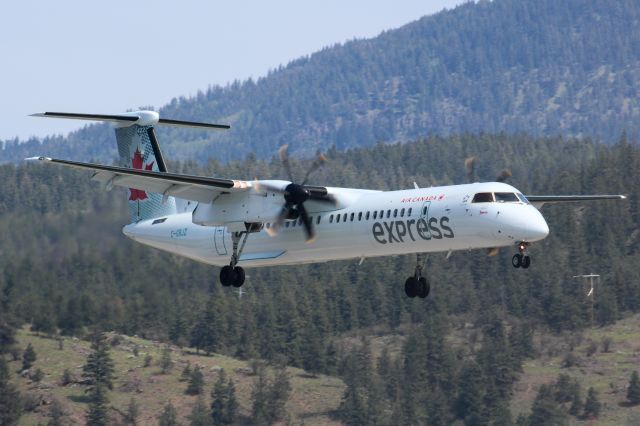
x=542 y=67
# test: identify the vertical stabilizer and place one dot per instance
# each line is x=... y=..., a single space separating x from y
x=139 y=149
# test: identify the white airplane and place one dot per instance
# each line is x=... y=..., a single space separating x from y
x=236 y=223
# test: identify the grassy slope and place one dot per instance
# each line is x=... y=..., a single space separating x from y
x=312 y=399
x=608 y=373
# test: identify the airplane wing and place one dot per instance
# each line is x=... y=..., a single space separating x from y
x=194 y=188
x=539 y=200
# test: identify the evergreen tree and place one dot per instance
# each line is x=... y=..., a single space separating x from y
x=199 y=415
x=169 y=416
x=633 y=392
x=260 y=415
x=166 y=363
x=56 y=414
x=196 y=382
x=469 y=404
x=186 y=372
x=97 y=412
x=279 y=393
x=592 y=405
x=232 y=403
x=219 y=403
x=28 y=357
x=545 y=409
x=132 y=413
x=576 y=402
x=98 y=370
x=10 y=401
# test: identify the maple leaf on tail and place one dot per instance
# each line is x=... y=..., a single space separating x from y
x=136 y=163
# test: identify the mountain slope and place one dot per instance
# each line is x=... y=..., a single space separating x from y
x=535 y=66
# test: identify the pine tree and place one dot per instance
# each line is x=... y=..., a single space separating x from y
x=576 y=402
x=279 y=393
x=545 y=409
x=169 y=416
x=133 y=411
x=166 y=363
x=186 y=372
x=260 y=400
x=196 y=382
x=199 y=415
x=98 y=370
x=592 y=405
x=56 y=414
x=10 y=401
x=28 y=357
x=97 y=413
x=232 y=403
x=469 y=403
x=219 y=401
x=633 y=393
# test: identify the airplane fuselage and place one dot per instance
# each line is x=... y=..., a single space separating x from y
x=374 y=223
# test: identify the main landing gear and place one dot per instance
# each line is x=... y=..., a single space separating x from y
x=521 y=259
x=232 y=275
x=417 y=285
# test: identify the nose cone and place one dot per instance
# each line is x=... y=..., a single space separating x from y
x=537 y=228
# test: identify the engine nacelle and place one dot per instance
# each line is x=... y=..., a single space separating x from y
x=237 y=207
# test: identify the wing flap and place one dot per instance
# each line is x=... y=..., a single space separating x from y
x=189 y=187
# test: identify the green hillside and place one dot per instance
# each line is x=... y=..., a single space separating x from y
x=541 y=67
x=67 y=270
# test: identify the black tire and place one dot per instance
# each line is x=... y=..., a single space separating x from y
x=239 y=276
x=411 y=287
x=227 y=275
x=516 y=260
x=526 y=262
x=424 y=287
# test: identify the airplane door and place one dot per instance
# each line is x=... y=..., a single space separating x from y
x=218 y=241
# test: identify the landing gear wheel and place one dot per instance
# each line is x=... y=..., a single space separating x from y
x=526 y=262
x=516 y=260
x=227 y=275
x=411 y=287
x=238 y=276
x=424 y=287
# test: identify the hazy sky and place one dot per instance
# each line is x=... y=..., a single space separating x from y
x=72 y=55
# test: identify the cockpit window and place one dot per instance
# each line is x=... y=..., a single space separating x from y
x=522 y=198
x=506 y=197
x=483 y=197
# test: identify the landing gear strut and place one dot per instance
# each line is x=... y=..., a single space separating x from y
x=232 y=274
x=417 y=285
x=521 y=259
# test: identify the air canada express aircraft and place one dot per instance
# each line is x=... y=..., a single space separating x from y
x=236 y=224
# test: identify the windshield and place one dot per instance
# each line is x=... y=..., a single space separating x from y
x=506 y=197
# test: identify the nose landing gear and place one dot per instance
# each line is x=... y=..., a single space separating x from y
x=417 y=285
x=521 y=259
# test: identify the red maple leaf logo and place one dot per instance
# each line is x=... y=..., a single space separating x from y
x=136 y=163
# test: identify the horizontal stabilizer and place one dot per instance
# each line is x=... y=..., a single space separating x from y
x=142 y=118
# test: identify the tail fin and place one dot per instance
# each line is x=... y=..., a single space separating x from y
x=138 y=148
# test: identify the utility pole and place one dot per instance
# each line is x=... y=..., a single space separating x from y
x=591 y=293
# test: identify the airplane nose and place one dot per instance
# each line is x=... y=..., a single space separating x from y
x=538 y=228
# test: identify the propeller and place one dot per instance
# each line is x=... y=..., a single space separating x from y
x=295 y=195
x=470 y=165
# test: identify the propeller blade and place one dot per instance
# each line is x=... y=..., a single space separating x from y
x=264 y=187
x=324 y=198
x=470 y=165
x=283 y=152
x=504 y=175
x=317 y=163
x=306 y=222
x=275 y=228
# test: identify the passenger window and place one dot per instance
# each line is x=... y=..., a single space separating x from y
x=338 y=218
x=506 y=197
x=388 y=213
x=375 y=214
x=402 y=213
x=344 y=217
x=381 y=214
x=367 y=216
x=359 y=216
x=352 y=216
x=318 y=220
x=395 y=213
x=483 y=197
x=409 y=211
x=331 y=219
x=424 y=210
